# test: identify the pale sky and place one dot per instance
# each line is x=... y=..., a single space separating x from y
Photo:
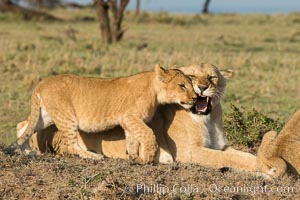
x=216 y=6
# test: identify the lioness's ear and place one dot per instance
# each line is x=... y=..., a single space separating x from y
x=160 y=72
x=227 y=73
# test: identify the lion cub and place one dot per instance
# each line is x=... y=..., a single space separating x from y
x=89 y=104
x=278 y=150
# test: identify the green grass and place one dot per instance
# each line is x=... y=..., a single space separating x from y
x=263 y=50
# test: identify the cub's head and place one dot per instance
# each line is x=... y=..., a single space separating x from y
x=174 y=87
x=209 y=84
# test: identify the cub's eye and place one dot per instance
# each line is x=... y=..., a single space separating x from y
x=182 y=86
x=191 y=76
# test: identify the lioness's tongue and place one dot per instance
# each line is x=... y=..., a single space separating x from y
x=201 y=104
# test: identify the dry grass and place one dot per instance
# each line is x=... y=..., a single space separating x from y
x=263 y=51
x=49 y=177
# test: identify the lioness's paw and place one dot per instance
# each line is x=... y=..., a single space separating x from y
x=88 y=154
x=93 y=156
x=272 y=171
x=264 y=176
x=31 y=152
x=165 y=157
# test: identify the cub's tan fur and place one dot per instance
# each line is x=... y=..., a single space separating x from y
x=76 y=103
x=279 y=152
x=110 y=143
x=182 y=135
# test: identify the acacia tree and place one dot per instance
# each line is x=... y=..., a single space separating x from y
x=137 y=7
x=205 y=7
x=111 y=30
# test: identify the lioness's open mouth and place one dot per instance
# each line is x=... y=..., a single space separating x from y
x=202 y=105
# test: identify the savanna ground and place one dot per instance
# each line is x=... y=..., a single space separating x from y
x=263 y=51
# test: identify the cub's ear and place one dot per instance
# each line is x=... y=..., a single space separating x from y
x=160 y=72
x=227 y=73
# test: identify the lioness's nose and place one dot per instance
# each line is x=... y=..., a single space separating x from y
x=202 y=88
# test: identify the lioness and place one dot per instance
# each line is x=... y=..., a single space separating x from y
x=89 y=104
x=194 y=136
x=278 y=150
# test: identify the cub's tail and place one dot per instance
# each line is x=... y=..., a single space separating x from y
x=32 y=123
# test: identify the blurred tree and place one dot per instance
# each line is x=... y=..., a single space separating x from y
x=102 y=12
x=27 y=13
x=111 y=32
x=138 y=7
x=44 y=3
x=205 y=7
x=5 y=2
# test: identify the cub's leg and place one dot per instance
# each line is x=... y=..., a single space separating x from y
x=163 y=155
x=140 y=140
x=132 y=146
x=67 y=124
x=133 y=149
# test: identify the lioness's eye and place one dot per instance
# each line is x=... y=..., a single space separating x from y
x=182 y=86
x=212 y=77
x=213 y=80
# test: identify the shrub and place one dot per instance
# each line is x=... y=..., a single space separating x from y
x=248 y=127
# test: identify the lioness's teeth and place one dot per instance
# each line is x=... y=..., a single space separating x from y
x=207 y=99
x=204 y=109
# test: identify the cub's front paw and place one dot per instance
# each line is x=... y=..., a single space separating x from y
x=148 y=151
